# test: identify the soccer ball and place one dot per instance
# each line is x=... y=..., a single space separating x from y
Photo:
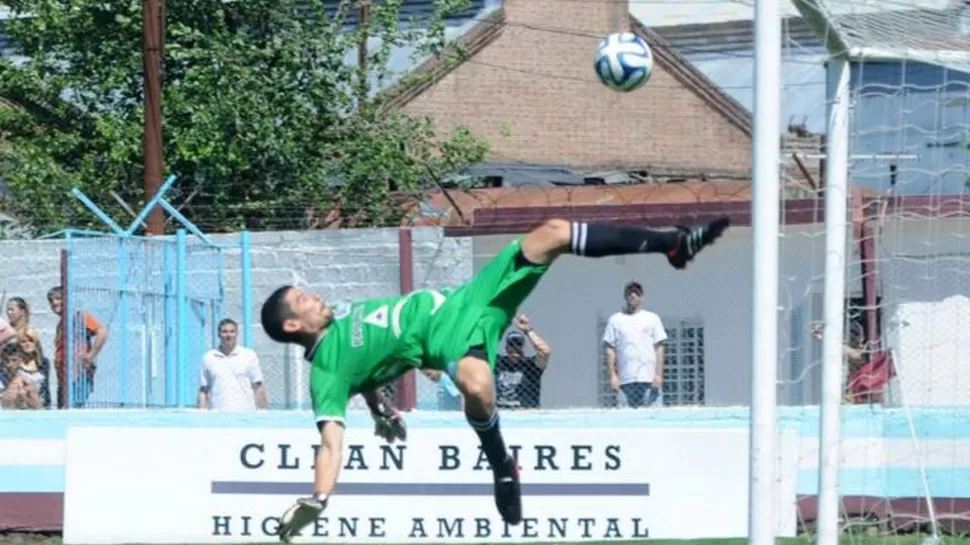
x=623 y=61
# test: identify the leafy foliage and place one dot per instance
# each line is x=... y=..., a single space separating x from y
x=264 y=117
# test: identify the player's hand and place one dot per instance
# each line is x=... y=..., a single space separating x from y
x=522 y=322
x=390 y=427
x=388 y=422
x=299 y=516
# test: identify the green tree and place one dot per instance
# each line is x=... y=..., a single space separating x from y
x=265 y=121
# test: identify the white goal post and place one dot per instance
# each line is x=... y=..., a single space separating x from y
x=858 y=35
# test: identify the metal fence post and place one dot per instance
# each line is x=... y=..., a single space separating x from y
x=182 y=313
x=247 y=307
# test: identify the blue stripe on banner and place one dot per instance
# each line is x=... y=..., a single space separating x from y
x=897 y=482
x=31 y=479
x=857 y=421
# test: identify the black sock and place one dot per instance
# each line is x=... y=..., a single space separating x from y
x=599 y=240
x=492 y=443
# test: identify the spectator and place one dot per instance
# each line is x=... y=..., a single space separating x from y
x=634 y=343
x=231 y=376
x=853 y=353
x=89 y=339
x=18 y=317
x=519 y=377
x=37 y=367
x=16 y=390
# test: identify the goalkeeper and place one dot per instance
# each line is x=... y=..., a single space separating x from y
x=358 y=347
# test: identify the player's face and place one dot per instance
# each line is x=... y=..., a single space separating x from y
x=227 y=334
x=310 y=313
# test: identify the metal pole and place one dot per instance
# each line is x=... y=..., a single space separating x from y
x=123 y=281
x=247 y=287
x=153 y=155
x=764 y=221
x=836 y=227
x=182 y=318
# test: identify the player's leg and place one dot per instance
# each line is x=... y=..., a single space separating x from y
x=680 y=244
x=475 y=379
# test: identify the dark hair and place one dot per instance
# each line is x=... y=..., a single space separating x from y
x=228 y=321
x=275 y=311
x=633 y=286
x=56 y=290
x=22 y=303
x=12 y=350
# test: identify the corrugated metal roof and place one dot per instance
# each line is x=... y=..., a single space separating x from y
x=803 y=82
x=914 y=110
x=692 y=12
x=404 y=59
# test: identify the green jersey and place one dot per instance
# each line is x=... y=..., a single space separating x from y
x=370 y=343
x=373 y=342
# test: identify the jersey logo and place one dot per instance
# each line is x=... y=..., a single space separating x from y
x=357 y=328
x=437 y=297
x=378 y=317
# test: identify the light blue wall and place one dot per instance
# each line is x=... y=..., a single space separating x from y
x=941 y=425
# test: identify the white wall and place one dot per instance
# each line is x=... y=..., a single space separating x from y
x=925 y=265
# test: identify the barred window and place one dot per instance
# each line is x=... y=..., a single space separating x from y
x=684 y=362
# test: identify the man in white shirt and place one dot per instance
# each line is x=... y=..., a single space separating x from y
x=634 y=342
x=231 y=376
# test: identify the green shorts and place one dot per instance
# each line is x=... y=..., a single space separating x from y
x=478 y=313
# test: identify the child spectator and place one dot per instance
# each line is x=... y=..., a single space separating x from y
x=16 y=390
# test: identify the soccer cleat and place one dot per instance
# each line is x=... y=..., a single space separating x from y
x=692 y=240
x=299 y=516
x=508 y=493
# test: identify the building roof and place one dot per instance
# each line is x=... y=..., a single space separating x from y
x=469 y=208
x=657 y=14
x=489 y=28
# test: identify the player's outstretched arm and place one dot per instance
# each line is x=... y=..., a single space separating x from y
x=388 y=422
x=306 y=510
x=329 y=458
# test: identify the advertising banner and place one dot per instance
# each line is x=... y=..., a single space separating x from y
x=201 y=485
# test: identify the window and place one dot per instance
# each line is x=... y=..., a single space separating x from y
x=684 y=362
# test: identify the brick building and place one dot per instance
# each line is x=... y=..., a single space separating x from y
x=528 y=85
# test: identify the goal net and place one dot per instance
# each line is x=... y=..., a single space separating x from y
x=903 y=464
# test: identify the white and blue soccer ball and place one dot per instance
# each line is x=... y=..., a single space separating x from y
x=623 y=61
